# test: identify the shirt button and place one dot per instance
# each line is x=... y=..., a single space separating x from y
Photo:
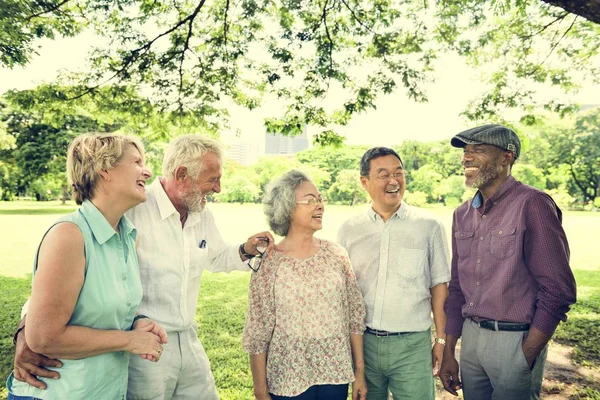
x=477 y=283
x=471 y=304
x=500 y=233
x=462 y=235
x=481 y=238
x=484 y=216
x=479 y=261
x=124 y=277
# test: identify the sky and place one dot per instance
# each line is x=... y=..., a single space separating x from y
x=396 y=118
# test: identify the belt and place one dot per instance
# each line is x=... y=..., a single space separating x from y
x=377 y=332
x=502 y=326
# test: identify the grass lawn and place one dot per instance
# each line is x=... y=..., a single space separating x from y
x=223 y=297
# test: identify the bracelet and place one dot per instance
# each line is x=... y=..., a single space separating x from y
x=19 y=329
x=139 y=316
x=440 y=340
x=245 y=253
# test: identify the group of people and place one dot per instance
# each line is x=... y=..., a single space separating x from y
x=121 y=276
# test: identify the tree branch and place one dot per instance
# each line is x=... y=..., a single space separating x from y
x=588 y=9
x=559 y=18
x=135 y=54
x=51 y=9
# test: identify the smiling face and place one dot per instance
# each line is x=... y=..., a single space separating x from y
x=128 y=177
x=305 y=216
x=485 y=166
x=386 y=184
x=195 y=190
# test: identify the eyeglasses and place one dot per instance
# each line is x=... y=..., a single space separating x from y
x=313 y=201
x=386 y=177
x=254 y=263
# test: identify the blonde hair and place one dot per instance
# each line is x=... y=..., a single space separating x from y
x=186 y=151
x=90 y=153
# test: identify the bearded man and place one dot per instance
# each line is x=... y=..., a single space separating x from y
x=511 y=281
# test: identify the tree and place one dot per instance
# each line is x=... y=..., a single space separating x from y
x=238 y=189
x=332 y=160
x=347 y=188
x=194 y=54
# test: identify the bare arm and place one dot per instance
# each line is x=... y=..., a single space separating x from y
x=439 y=293
x=57 y=284
x=359 y=386
x=258 y=365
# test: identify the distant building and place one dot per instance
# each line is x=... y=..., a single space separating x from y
x=277 y=144
x=246 y=153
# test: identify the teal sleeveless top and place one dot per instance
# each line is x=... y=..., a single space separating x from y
x=109 y=299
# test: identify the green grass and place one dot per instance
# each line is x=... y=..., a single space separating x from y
x=223 y=297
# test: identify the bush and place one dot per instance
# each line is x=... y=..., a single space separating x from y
x=417 y=199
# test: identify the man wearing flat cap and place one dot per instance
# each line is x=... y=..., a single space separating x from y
x=511 y=281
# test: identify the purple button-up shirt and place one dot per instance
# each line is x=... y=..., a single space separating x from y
x=510 y=260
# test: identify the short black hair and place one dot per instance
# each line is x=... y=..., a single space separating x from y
x=375 y=152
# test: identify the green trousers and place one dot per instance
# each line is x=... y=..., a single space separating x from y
x=400 y=365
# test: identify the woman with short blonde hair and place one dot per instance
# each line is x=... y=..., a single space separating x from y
x=86 y=286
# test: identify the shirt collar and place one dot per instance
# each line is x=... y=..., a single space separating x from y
x=165 y=207
x=505 y=188
x=400 y=212
x=100 y=227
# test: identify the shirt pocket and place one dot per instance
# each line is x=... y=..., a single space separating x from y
x=503 y=242
x=463 y=240
x=410 y=265
x=198 y=261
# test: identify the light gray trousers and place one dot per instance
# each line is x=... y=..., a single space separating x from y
x=493 y=365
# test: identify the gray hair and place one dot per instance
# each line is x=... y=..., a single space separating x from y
x=186 y=151
x=280 y=200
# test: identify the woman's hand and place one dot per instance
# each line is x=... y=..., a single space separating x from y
x=359 y=387
x=262 y=394
x=145 y=342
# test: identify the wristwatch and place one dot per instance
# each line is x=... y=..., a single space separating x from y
x=245 y=253
x=440 y=341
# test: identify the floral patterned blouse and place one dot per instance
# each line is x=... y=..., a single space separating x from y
x=301 y=313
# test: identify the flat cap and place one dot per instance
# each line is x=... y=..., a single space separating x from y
x=494 y=134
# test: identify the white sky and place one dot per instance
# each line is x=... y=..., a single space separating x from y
x=396 y=118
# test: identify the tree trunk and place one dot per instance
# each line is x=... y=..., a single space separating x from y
x=588 y=9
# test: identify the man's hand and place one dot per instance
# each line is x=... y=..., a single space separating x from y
x=260 y=243
x=449 y=369
x=533 y=345
x=437 y=355
x=29 y=365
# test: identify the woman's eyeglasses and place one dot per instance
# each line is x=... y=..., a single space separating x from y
x=313 y=201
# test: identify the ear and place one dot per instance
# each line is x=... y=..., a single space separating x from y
x=363 y=182
x=181 y=173
x=508 y=158
x=104 y=175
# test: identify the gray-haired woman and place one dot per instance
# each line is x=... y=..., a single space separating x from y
x=306 y=314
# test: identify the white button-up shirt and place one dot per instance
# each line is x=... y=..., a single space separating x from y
x=172 y=258
x=396 y=264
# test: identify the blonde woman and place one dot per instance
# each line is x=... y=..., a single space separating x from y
x=305 y=317
x=86 y=287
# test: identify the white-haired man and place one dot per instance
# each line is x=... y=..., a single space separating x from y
x=177 y=240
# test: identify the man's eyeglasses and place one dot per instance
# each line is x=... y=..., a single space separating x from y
x=313 y=201
x=386 y=177
x=255 y=262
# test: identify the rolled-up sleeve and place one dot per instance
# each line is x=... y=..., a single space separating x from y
x=356 y=303
x=260 y=316
x=547 y=258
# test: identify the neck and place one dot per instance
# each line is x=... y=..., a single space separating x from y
x=299 y=243
x=489 y=190
x=173 y=194
x=385 y=214
x=111 y=210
